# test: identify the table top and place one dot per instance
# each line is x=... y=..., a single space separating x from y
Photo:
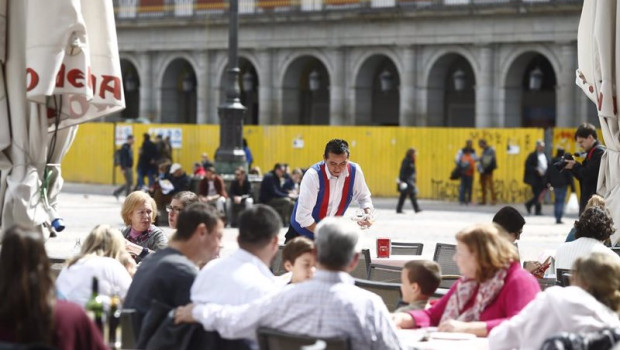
x=412 y=339
x=396 y=260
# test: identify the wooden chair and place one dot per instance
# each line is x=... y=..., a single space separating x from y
x=273 y=339
x=562 y=277
x=384 y=273
x=443 y=256
x=402 y=248
x=389 y=292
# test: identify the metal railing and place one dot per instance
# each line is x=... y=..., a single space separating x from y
x=132 y=9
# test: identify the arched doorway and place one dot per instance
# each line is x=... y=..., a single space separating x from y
x=377 y=92
x=248 y=90
x=131 y=87
x=451 y=92
x=178 y=93
x=305 y=93
x=530 y=92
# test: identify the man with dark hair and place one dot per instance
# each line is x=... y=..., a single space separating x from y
x=244 y=275
x=274 y=195
x=329 y=305
x=587 y=171
x=147 y=159
x=126 y=164
x=167 y=274
x=213 y=190
x=327 y=189
x=511 y=221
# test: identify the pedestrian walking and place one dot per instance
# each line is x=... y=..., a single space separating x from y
x=126 y=164
x=486 y=166
x=466 y=161
x=407 y=182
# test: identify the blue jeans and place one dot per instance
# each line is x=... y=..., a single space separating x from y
x=558 y=205
x=465 y=189
x=149 y=173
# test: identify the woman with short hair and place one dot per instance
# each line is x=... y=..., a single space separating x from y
x=29 y=312
x=101 y=256
x=493 y=286
x=139 y=212
x=589 y=304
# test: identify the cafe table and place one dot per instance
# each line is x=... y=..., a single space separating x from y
x=429 y=339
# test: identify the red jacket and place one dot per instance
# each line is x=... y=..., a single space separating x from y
x=218 y=183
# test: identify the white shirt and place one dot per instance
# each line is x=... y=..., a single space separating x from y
x=309 y=190
x=557 y=309
x=74 y=283
x=568 y=252
x=234 y=280
x=329 y=305
x=542 y=163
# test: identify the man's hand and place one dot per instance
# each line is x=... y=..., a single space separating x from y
x=183 y=314
x=569 y=164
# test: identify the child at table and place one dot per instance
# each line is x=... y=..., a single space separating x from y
x=298 y=259
x=419 y=280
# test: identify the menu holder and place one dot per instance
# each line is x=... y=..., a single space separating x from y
x=383 y=247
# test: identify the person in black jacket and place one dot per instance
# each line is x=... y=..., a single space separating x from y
x=407 y=178
x=536 y=166
x=272 y=193
x=126 y=164
x=559 y=180
x=240 y=193
x=587 y=171
x=147 y=161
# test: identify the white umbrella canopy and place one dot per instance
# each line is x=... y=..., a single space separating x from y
x=62 y=68
x=598 y=76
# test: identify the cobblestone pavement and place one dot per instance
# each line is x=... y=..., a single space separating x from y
x=83 y=206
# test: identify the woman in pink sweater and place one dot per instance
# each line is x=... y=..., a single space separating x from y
x=493 y=286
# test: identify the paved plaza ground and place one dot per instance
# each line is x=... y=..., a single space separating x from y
x=84 y=206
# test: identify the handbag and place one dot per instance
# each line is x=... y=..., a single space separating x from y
x=456 y=173
x=572 y=207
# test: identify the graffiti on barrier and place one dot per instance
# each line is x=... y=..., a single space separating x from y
x=507 y=191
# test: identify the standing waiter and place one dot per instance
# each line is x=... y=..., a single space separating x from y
x=327 y=189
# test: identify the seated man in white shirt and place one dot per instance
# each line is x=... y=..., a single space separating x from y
x=244 y=275
x=329 y=305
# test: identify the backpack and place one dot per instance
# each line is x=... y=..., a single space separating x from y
x=117 y=157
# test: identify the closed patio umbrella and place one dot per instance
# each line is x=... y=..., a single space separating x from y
x=598 y=76
x=62 y=68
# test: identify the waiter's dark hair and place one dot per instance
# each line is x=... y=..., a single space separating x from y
x=336 y=146
x=586 y=129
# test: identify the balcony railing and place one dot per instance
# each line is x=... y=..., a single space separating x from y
x=131 y=9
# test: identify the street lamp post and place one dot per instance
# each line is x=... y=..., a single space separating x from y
x=230 y=154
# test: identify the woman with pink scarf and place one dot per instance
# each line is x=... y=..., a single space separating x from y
x=492 y=289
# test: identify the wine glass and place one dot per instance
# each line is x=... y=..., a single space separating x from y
x=362 y=218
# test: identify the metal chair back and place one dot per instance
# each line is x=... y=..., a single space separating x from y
x=384 y=273
x=402 y=248
x=389 y=292
x=273 y=339
x=443 y=256
x=562 y=277
x=277 y=265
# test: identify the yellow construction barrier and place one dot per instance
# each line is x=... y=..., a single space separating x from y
x=379 y=150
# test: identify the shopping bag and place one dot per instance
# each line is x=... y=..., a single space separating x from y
x=572 y=207
x=455 y=174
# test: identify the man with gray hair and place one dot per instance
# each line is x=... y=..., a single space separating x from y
x=329 y=305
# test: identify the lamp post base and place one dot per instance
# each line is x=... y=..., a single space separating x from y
x=230 y=155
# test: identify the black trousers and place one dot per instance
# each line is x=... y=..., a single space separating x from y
x=409 y=192
x=536 y=191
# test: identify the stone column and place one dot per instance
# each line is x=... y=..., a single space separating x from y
x=265 y=87
x=407 y=88
x=147 y=86
x=337 y=88
x=202 y=90
x=213 y=87
x=484 y=89
x=565 y=90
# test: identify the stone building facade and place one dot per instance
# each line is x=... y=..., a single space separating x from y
x=462 y=63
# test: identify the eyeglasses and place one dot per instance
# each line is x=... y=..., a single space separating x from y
x=170 y=208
